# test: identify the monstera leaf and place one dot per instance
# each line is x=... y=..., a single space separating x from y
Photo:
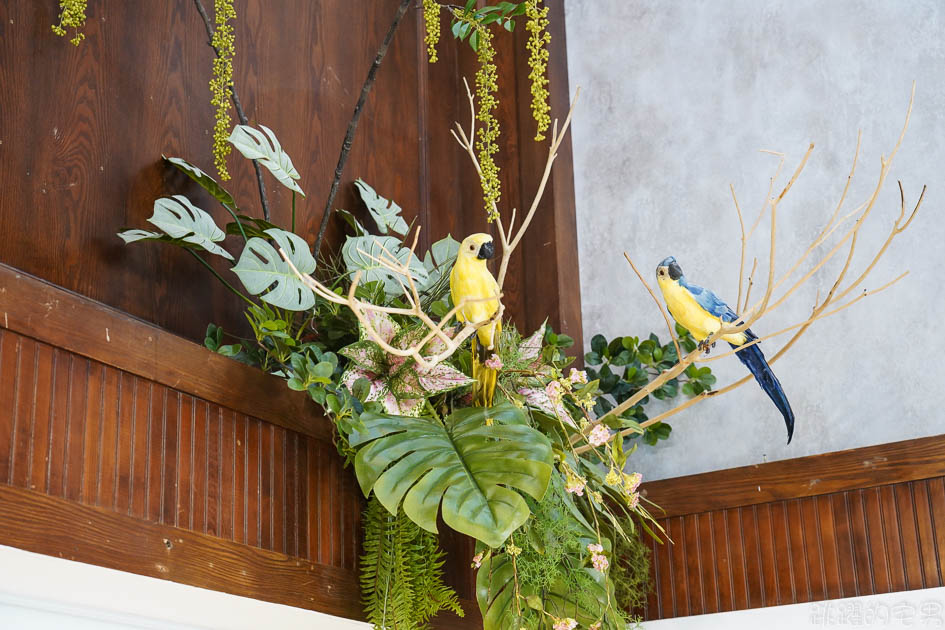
x=465 y=463
x=386 y=213
x=265 y=149
x=495 y=592
x=359 y=253
x=439 y=260
x=180 y=219
x=262 y=269
x=205 y=181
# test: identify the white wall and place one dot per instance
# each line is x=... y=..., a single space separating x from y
x=44 y=593
x=911 y=609
x=677 y=99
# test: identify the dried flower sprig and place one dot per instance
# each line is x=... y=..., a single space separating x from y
x=71 y=15
x=538 y=56
x=224 y=43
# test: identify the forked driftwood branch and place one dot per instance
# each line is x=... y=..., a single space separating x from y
x=832 y=303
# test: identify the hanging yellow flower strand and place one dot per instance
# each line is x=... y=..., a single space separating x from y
x=224 y=43
x=537 y=46
x=71 y=15
x=431 y=20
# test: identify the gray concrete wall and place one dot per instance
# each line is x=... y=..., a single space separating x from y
x=678 y=98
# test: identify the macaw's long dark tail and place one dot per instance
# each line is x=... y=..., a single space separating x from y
x=755 y=361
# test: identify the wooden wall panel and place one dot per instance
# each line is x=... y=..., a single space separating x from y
x=139 y=448
x=879 y=538
x=83 y=129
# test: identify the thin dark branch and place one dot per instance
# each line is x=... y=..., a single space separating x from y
x=353 y=123
x=239 y=108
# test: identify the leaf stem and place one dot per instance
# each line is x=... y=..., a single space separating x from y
x=220 y=278
x=239 y=223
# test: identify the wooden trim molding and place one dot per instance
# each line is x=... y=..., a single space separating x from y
x=868 y=467
x=61 y=318
x=43 y=524
x=48 y=525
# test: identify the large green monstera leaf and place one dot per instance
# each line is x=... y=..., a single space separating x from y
x=495 y=591
x=467 y=463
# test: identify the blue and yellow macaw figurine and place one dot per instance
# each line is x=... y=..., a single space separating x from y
x=701 y=312
x=471 y=279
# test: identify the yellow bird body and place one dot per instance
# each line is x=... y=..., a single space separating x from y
x=471 y=280
x=689 y=313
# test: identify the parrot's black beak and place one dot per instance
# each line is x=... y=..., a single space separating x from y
x=675 y=271
x=487 y=251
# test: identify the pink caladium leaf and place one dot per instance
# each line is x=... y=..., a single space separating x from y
x=437 y=345
x=539 y=399
x=443 y=378
x=366 y=355
x=382 y=323
x=410 y=407
x=530 y=348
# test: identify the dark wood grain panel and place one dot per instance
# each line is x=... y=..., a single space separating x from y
x=857 y=542
x=802 y=477
x=87 y=432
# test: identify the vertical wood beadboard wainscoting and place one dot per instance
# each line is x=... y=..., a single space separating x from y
x=124 y=446
x=845 y=524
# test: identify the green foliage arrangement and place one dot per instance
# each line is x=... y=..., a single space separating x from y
x=628 y=364
x=537 y=479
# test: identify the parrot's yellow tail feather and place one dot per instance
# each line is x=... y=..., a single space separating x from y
x=484 y=389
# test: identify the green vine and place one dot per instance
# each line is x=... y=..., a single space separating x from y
x=223 y=42
x=71 y=15
x=401 y=572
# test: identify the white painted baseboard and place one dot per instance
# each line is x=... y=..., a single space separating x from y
x=908 y=609
x=40 y=592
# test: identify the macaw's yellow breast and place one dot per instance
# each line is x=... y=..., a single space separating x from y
x=471 y=279
x=690 y=314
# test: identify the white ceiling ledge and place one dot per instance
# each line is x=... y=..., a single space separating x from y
x=906 y=609
x=40 y=592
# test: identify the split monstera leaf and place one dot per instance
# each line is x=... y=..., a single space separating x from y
x=470 y=466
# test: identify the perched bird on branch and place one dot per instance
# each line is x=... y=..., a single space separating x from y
x=471 y=280
x=702 y=313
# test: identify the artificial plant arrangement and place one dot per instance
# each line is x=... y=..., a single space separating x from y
x=537 y=474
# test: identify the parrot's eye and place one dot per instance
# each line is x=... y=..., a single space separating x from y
x=472 y=248
x=662 y=272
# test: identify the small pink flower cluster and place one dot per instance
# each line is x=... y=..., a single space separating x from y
x=494 y=362
x=595 y=626
x=477 y=560
x=632 y=481
x=578 y=377
x=554 y=392
x=565 y=624
x=599 y=435
x=598 y=559
x=574 y=485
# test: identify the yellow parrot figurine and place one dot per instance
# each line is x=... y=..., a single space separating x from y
x=471 y=279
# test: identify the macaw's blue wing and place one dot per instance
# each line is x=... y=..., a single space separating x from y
x=752 y=357
x=709 y=301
